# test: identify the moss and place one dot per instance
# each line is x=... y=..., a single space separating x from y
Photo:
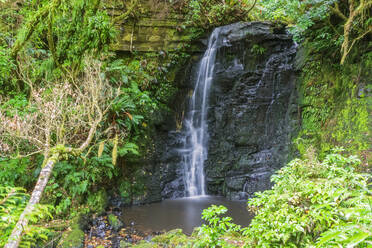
x=124 y=244
x=97 y=202
x=172 y=238
x=143 y=244
x=73 y=238
x=155 y=38
x=149 y=33
x=334 y=113
x=115 y=223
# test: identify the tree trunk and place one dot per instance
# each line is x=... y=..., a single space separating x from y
x=15 y=238
x=54 y=155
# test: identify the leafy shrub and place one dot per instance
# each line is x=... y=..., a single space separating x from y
x=257 y=49
x=76 y=182
x=6 y=68
x=324 y=204
x=12 y=202
x=75 y=28
x=210 y=234
x=325 y=24
x=16 y=172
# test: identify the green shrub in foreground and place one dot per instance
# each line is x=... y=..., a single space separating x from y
x=12 y=202
x=211 y=234
x=314 y=204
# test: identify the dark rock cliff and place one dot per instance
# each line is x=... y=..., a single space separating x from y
x=252 y=111
x=251 y=118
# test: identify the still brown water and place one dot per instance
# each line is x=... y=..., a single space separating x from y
x=184 y=213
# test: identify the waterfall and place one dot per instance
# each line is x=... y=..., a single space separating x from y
x=195 y=141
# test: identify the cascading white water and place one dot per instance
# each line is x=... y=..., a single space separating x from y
x=195 y=143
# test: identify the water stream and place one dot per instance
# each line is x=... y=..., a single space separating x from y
x=195 y=141
x=184 y=213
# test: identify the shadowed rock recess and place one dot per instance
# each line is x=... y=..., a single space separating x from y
x=252 y=116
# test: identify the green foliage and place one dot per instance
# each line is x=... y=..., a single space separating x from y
x=17 y=105
x=81 y=27
x=300 y=15
x=97 y=202
x=115 y=223
x=7 y=67
x=76 y=182
x=134 y=102
x=257 y=49
x=213 y=13
x=210 y=234
x=16 y=172
x=12 y=202
x=62 y=34
x=323 y=204
x=153 y=73
x=330 y=25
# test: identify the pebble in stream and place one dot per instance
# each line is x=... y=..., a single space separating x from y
x=101 y=234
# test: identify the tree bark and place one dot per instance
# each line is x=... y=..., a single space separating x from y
x=15 y=238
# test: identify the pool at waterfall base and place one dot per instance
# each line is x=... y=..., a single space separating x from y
x=183 y=213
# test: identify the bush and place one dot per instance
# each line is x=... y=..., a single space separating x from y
x=323 y=204
x=210 y=234
x=6 y=69
x=12 y=202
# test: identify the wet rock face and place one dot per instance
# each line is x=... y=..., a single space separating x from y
x=251 y=116
x=252 y=111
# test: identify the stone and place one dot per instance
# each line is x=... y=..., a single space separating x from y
x=151 y=33
x=235 y=183
x=252 y=105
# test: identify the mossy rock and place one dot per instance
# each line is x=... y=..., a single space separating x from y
x=115 y=223
x=97 y=202
x=172 y=238
x=124 y=244
x=73 y=238
x=143 y=244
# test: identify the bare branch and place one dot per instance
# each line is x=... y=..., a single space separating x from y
x=80 y=108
